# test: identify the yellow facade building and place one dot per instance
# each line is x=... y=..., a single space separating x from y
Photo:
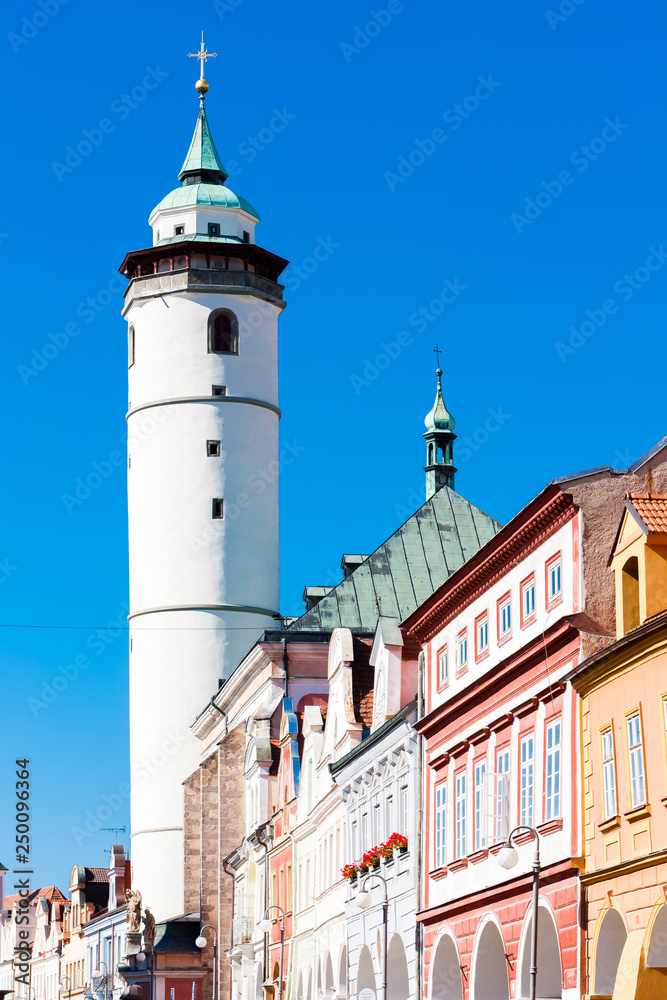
x=623 y=691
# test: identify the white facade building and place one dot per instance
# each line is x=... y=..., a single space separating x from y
x=202 y=310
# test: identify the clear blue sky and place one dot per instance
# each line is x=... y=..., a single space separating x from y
x=356 y=103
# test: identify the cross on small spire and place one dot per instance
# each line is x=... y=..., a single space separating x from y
x=438 y=352
x=202 y=55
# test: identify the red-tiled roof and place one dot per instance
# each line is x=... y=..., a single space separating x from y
x=652 y=619
x=97 y=875
x=652 y=509
x=52 y=893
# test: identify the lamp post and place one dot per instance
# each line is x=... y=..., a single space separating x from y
x=201 y=942
x=62 y=987
x=363 y=901
x=507 y=858
x=98 y=974
x=265 y=927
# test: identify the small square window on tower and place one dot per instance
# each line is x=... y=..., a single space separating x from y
x=214 y=229
x=218 y=390
x=217 y=508
x=213 y=449
x=179 y=230
x=246 y=236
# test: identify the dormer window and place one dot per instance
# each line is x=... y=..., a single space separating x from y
x=214 y=229
x=179 y=230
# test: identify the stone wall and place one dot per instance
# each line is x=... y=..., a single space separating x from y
x=214 y=825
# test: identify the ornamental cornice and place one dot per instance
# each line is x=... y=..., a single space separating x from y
x=469 y=582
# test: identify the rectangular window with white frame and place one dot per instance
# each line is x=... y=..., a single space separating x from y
x=481 y=636
x=461 y=815
x=609 y=774
x=502 y=794
x=480 y=788
x=443 y=667
x=636 y=760
x=528 y=601
x=504 y=618
x=552 y=770
x=440 y=824
x=462 y=652
x=527 y=789
x=388 y=816
x=553 y=581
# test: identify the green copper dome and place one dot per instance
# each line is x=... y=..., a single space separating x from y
x=439 y=418
x=203 y=176
x=204 y=194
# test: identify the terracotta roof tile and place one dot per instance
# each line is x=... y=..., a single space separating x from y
x=652 y=509
x=97 y=875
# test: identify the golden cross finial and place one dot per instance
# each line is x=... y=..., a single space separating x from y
x=202 y=55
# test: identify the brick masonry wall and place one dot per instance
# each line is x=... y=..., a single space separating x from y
x=214 y=825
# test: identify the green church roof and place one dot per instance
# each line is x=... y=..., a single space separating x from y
x=204 y=194
x=202 y=154
x=410 y=566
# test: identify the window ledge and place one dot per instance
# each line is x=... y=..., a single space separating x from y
x=551 y=826
x=482 y=656
x=554 y=604
x=528 y=621
x=609 y=824
x=664 y=802
x=478 y=856
x=504 y=638
x=523 y=838
x=496 y=848
x=454 y=866
x=639 y=813
x=460 y=673
x=439 y=873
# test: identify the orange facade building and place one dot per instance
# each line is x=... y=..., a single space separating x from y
x=623 y=702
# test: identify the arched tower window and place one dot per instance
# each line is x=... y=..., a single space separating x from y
x=223 y=332
x=130 y=346
x=630 y=594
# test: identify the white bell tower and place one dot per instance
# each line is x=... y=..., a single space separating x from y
x=202 y=309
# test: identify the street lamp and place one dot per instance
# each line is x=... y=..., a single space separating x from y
x=62 y=987
x=507 y=858
x=201 y=942
x=265 y=927
x=98 y=974
x=363 y=901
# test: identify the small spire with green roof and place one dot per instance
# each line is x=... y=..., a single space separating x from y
x=440 y=438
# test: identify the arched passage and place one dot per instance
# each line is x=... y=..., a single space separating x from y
x=445 y=980
x=398 y=982
x=549 y=975
x=609 y=945
x=656 y=955
x=630 y=580
x=342 y=974
x=309 y=990
x=328 y=978
x=299 y=989
x=366 y=972
x=490 y=980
